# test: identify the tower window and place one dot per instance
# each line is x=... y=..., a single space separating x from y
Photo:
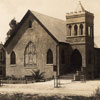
x=49 y=57
x=13 y=58
x=30 y=24
x=70 y=30
x=75 y=30
x=89 y=29
x=81 y=29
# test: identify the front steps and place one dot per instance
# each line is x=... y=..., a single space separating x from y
x=69 y=76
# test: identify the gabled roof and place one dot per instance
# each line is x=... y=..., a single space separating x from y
x=55 y=27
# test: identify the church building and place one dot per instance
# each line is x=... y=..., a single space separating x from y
x=40 y=42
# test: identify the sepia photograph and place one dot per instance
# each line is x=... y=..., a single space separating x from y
x=49 y=50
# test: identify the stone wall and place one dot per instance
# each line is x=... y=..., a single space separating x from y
x=42 y=41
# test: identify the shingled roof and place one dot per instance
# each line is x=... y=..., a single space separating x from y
x=56 y=27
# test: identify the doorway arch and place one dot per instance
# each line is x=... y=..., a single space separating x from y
x=76 y=61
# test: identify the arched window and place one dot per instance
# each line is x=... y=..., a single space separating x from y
x=70 y=27
x=49 y=57
x=30 y=54
x=81 y=29
x=13 y=58
x=75 y=30
x=30 y=24
x=87 y=30
x=91 y=31
x=2 y=56
x=62 y=57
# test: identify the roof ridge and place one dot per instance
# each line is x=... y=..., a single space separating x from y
x=47 y=15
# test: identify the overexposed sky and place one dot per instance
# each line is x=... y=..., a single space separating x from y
x=56 y=8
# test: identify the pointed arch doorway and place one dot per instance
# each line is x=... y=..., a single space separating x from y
x=75 y=61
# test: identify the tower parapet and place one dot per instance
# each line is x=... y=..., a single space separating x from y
x=79 y=23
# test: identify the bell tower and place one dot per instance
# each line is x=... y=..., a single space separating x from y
x=80 y=35
x=80 y=26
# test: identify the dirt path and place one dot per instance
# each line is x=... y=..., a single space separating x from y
x=67 y=87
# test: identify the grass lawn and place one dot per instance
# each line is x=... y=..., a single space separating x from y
x=20 y=96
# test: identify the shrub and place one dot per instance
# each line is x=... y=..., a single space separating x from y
x=96 y=94
x=37 y=75
x=7 y=78
x=13 y=77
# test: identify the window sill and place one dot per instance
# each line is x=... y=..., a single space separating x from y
x=30 y=67
x=13 y=65
x=30 y=28
x=49 y=64
x=76 y=36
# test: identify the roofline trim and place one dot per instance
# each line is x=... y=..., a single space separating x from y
x=20 y=24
